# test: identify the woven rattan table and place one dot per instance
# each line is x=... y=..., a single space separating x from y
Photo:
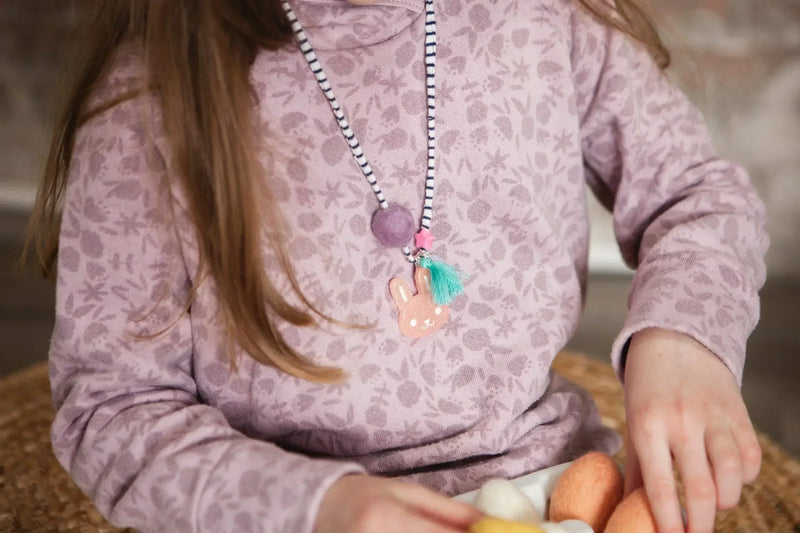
x=37 y=495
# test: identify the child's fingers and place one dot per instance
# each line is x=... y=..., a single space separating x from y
x=698 y=485
x=656 y=466
x=633 y=471
x=436 y=506
x=749 y=449
x=397 y=517
x=411 y=520
x=726 y=463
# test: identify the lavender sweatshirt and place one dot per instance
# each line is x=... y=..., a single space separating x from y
x=535 y=101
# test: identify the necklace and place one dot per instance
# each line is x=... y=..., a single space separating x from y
x=393 y=225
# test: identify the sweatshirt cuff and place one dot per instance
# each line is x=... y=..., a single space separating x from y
x=686 y=296
x=275 y=490
x=322 y=476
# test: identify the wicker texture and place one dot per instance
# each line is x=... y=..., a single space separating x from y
x=770 y=505
x=36 y=495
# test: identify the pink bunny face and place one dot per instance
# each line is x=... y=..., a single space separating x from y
x=418 y=314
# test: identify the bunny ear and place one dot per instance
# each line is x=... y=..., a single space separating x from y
x=400 y=291
x=422 y=277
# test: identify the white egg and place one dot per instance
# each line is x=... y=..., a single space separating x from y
x=552 y=527
x=577 y=526
x=567 y=526
x=502 y=499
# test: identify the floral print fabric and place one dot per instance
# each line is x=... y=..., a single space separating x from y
x=535 y=100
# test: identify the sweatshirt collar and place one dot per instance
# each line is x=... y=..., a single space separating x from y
x=340 y=25
x=413 y=5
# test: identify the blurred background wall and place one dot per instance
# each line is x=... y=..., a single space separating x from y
x=738 y=60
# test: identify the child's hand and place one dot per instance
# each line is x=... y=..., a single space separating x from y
x=682 y=402
x=366 y=504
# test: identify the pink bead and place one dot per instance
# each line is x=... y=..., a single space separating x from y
x=424 y=239
x=393 y=226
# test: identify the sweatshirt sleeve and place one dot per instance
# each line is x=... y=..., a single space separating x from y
x=129 y=426
x=690 y=223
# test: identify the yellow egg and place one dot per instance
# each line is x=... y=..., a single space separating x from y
x=588 y=490
x=497 y=525
x=633 y=515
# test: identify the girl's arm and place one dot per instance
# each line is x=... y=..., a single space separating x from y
x=129 y=426
x=690 y=223
x=694 y=228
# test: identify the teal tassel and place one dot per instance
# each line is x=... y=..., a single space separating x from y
x=445 y=280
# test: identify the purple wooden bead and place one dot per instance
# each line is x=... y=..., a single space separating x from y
x=393 y=226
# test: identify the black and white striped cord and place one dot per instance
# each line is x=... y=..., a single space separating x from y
x=350 y=137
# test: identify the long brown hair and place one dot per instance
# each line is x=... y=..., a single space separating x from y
x=197 y=59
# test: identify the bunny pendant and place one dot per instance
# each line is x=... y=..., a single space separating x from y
x=419 y=316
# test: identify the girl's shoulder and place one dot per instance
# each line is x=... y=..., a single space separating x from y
x=123 y=78
x=544 y=20
x=482 y=12
x=119 y=129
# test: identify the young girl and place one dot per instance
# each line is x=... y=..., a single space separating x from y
x=251 y=331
